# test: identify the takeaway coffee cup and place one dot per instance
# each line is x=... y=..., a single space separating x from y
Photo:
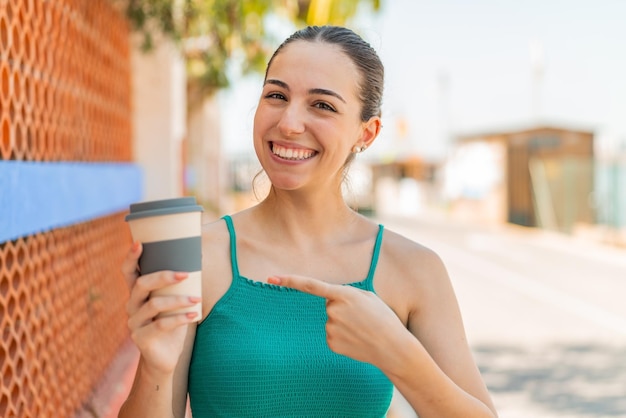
x=170 y=233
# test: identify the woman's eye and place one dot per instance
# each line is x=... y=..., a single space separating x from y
x=278 y=96
x=324 y=106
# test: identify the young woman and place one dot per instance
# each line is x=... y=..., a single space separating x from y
x=309 y=308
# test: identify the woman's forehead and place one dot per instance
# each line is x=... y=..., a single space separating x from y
x=321 y=62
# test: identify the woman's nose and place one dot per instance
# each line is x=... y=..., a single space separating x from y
x=292 y=121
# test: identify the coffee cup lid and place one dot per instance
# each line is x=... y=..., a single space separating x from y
x=163 y=207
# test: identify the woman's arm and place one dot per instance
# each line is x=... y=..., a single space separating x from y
x=434 y=368
x=430 y=391
x=165 y=343
x=158 y=394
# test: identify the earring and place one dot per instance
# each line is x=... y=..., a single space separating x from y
x=357 y=149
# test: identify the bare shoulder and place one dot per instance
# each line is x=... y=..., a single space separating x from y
x=410 y=276
x=411 y=259
x=216 y=265
x=214 y=232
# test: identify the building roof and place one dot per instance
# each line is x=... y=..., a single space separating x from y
x=525 y=128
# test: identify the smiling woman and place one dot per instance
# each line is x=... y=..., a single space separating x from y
x=309 y=309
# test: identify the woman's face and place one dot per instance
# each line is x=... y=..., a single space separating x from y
x=308 y=117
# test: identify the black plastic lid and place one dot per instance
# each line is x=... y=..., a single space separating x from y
x=163 y=207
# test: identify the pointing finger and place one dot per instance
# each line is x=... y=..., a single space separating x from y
x=308 y=285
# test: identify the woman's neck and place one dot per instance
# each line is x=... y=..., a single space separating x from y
x=297 y=215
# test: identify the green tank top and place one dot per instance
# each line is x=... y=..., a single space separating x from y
x=262 y=352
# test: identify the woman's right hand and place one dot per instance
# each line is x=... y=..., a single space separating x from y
x=159 y=339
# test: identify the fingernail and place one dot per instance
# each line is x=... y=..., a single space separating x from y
x=191 y=315
x=195 y=299
x=135 y=246
x=180 y=276
x=274 y=280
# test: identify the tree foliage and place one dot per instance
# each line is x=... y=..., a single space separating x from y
x=210 y=32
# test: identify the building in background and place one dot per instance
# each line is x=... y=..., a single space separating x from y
x=159 y=117
x=541 y=176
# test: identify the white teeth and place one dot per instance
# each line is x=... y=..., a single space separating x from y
x=291 y=153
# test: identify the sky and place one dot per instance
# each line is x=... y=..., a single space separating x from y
x=458 y=67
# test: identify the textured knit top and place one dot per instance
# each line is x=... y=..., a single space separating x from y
x=262 y=352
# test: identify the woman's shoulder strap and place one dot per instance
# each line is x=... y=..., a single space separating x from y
x=369 y=281
x=233 y=245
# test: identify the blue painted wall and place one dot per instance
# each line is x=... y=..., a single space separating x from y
x=39 y=196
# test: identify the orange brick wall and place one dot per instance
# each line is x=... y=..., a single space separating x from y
x=64 y=81
x=64 y=96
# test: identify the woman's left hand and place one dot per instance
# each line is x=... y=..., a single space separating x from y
x=360 y=325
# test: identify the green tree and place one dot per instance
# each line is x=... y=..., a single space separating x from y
x=211 y=32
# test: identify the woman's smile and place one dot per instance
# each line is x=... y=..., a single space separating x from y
x=290 y=153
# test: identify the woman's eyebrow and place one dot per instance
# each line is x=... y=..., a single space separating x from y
x=327 y=92
x=277 y=83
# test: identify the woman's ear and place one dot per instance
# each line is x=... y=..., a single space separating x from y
x=371 y=129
